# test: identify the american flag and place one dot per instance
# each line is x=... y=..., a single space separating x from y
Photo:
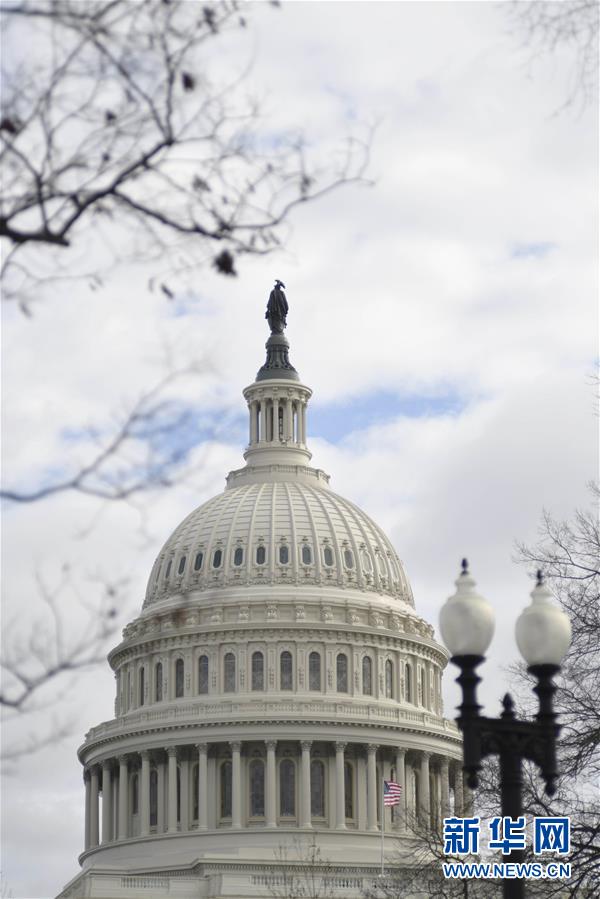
x=391 y=792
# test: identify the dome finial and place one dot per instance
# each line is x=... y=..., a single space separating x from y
x=277 y=308
x=277 y=364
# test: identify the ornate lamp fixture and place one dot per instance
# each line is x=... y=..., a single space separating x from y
x=543 y=635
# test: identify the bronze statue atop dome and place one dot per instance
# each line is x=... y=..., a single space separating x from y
x=277 y=308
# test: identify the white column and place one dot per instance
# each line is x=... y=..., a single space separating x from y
x=303 y=423
x=340 y=798
x=445 y=784
x=372 y=787
x=88 y=793
x=160 y=799
x=106 y=803
x=184 y=800
x=263 y=420
x=236 y=785
x=271 y=797
x=288 y=421
x=94 y=807
x=275 y=420
x=459 y=800
x=145 y=794
x=252 y=413
x=424 y=799
x=305 y=816
x=123 y=789
x=172 y=791
x=202 y=786
x=401 y=780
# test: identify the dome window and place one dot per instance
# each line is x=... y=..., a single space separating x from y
x=367 y=676
x=284 y=555
x=317 y=789
x=389 y=679
x=261 y=555
x=142 y=685
x=286 y=671
x=178 y=678
x=198 y=561
x=238 y=556
x=314 y=671
x=287 y=789
x=348 y=558
x=168 y=571
x=203 y=674
x=258 y=671
x=348 y=790
x=229 y=673
x=181 y=566
x=257 y=788
x=328 y=556
x=217 y=558
x=153 y=797
x=366 y=562
x=342 y=673
x=306 y=555
x=226 y=785
x=381 y=566
x=158 y=682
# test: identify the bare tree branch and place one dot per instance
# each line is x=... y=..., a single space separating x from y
x=115 y=119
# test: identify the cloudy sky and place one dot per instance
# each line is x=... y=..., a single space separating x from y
x=444 y=316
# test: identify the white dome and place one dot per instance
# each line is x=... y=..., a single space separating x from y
x=285 y=532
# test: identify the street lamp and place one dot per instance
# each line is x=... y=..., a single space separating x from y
x=543 y=634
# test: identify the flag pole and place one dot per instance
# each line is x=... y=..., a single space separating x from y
x=382 y=823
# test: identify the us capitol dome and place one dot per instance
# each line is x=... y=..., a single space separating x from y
x=277 y=673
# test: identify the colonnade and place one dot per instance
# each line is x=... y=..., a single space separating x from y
x=210 y=785
x=275 y=420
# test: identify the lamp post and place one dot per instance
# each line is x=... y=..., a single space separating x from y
x=543 y=634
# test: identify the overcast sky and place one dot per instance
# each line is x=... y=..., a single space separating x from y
x=444 y=317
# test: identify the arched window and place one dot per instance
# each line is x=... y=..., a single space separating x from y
x=284 y=555
x=203 y=674
x=158 y=682
x=341 y=668
x=134 y=795
x=225 y=790
x=257 y=788
x=367 y=676
x=238 y=556
x=314 y=671
x=306 y=555
x=196 y=790
x=181 y=566
x=328 y=556
x=198 y=561
x=317 y=789
x=408 y=676
x=153 y=797
x=217 y=558
x=142 y=684
x=349 y=790
x=258 y=671
x=286 y=671
x=389 y=679
x=261 y=555
x=287 y=789
x=229 y=673
x=178 y=678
